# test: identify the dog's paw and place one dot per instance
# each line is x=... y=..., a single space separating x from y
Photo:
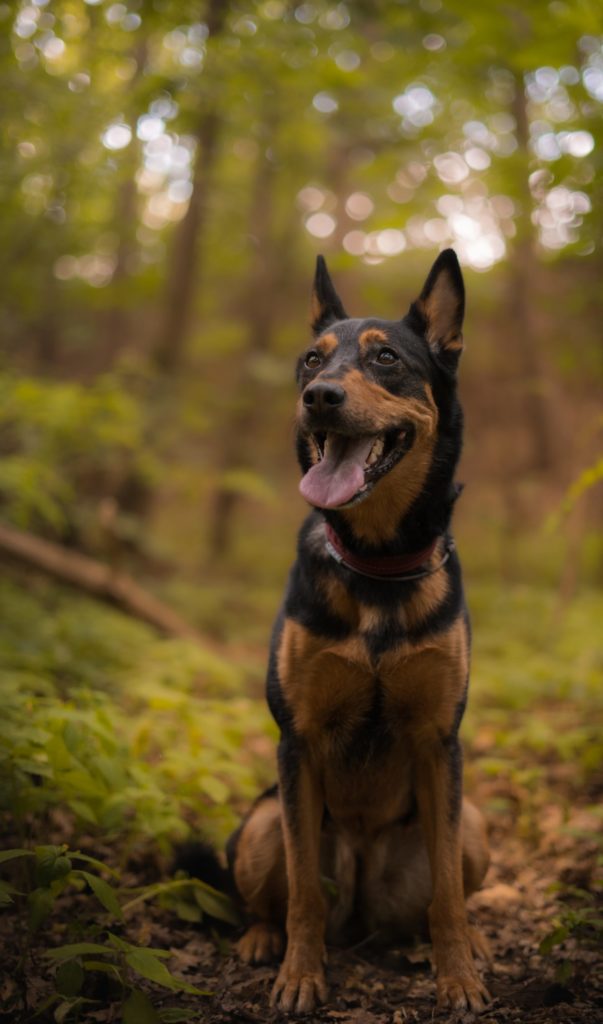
x=261 y=943
x=461 y=992
x=298 y=991
x=480 y=946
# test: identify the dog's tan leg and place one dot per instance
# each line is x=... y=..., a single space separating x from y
x=476 y=853
x=260 y=878
x=301 y=981
x=262 y=943
x=397 y=876
x=476 y=858
x=437 y=787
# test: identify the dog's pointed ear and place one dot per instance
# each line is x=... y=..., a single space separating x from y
x=326 y=305
x=441 y=306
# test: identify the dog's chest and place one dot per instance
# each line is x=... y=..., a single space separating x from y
x=363 y=701
x=358 y=723
x=354 y=693
x=357 y=692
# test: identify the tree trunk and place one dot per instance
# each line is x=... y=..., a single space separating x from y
x=118 y=320
x=183 y=272
x=523 y=299
x=269 y=262
x=47 y=329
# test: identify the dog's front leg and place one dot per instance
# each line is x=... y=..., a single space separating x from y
x=438 y=769
x=301 y=980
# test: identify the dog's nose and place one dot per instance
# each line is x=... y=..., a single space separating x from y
x=322 y=397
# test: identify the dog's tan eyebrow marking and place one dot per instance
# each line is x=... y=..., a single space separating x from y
x=372 y=335
x=327 y=344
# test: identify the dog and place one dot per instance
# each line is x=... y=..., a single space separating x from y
x=369 y=662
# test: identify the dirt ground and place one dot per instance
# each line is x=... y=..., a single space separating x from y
x=518 y=906
x=515 y=909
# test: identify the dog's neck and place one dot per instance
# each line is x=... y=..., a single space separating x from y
x=386 y=567
x=417 y=531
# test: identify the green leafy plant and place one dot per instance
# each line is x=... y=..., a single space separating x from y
x=190 y=898
x=43 y=874
x=581 y=922
x=142 y=768
x=65 y=445
x=122 y=736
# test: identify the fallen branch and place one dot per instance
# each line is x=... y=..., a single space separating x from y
x=93 y=576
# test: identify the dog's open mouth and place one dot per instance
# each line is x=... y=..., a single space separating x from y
x=346 y=468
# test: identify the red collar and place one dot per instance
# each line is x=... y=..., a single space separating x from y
x=384 y=567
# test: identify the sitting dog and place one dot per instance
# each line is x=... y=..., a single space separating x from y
x=369 y=662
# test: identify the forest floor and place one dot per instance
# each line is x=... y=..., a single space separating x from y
x=531 y=891
x=517 y=907
x=533 y=746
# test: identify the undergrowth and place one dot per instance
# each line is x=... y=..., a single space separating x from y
x=114 y=739
x=115 y=744
x=536 y=698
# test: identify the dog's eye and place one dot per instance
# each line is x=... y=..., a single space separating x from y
x=387 y=356
x=312 y=360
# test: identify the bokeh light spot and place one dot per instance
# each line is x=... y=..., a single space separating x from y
x=391 y=241
x=310 y=198
x=579 y=144
x=117 y=136
x=52 y=48
x=149 y=127
x=325 y=103
x=477 y=158
x=451 y=168
x=347 y=60
x=353 y=242
x=359 y=206
x=434 y=42
x=321 y=225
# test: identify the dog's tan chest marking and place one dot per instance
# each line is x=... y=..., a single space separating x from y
x=362 y=719
x=319 y=675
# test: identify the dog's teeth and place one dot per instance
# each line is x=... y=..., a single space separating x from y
x=376 y=452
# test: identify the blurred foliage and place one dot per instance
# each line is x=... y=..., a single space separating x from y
x=117 y=738
x=138 y=737
x=536 y=681
x=64 y=447
x=168 y=172
x=133 y=735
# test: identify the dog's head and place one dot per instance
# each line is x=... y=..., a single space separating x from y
x=371 y=393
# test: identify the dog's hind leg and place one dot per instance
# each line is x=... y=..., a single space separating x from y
x=257 y=859
x=397 y=887
x=476 y=854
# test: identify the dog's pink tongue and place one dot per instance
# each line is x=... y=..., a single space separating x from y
x=340 y=474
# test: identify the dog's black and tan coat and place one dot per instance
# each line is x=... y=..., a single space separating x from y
x=368 y=672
